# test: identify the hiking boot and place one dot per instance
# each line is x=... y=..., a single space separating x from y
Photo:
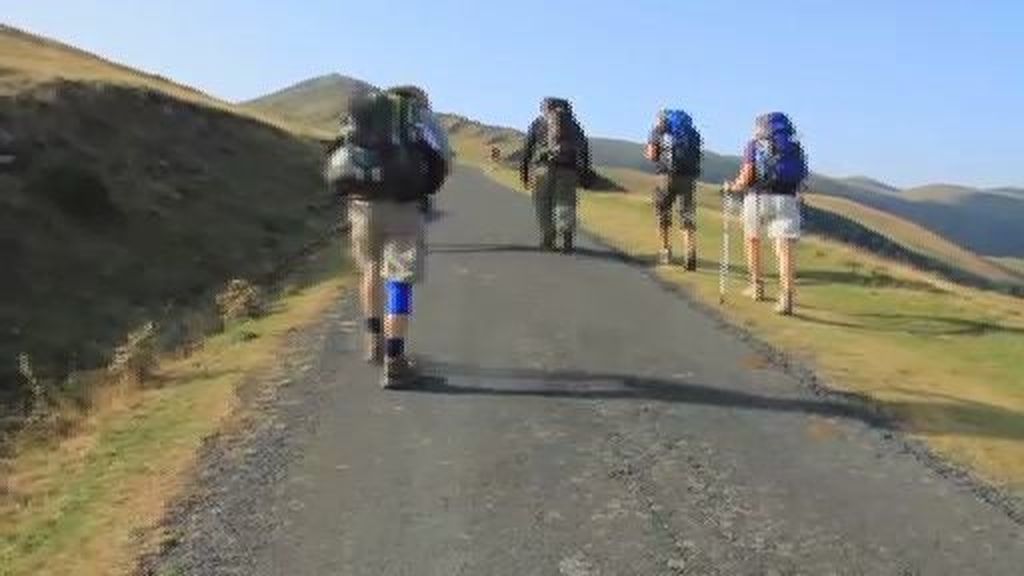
x=567 y=243
x=398 y=373
x=374 y=348
x=755 y=291
x=785 y=304
x=691 y=262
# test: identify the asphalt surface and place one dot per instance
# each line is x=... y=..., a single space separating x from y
x=579 y=420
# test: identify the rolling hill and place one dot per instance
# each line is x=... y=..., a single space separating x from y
x=315 y=102
x=984 y=222
x=871 y=184
x=131 y=199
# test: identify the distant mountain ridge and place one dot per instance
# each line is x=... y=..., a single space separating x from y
x=868 y=182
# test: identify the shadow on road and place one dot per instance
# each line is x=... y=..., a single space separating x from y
x=935 y=415
x=600 y=254
x=580 y=251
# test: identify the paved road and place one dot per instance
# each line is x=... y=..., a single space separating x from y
x=583 y=421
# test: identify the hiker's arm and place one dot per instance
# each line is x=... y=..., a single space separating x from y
x=652 y=151
x=524 y=162
x=747 y=175
x=584 y=148
x=745 y=178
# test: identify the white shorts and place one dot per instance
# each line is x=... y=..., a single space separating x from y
x=778 y=213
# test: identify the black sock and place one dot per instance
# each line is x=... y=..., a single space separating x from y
x=374 y=325
x=395 y=347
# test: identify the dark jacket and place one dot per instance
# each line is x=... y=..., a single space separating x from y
x=535 y=137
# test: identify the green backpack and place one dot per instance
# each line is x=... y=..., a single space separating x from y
x=380 y=152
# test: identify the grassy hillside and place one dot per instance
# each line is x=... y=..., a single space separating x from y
x=317 y=102
x=943 y=193
x=871 y=184
x=1014 y=264
x=131 y=197
x=916 y=238
x=981 y=221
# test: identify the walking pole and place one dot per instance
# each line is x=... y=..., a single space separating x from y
x=723 y=268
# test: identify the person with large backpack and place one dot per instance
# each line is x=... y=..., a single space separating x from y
x=390 y=158
x=556 y=150
x=773 y=171
x=675 y=147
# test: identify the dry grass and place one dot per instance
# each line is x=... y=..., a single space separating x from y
x=88 y=504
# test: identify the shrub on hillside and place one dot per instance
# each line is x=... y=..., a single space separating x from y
x=240 y=300
x=135 y=359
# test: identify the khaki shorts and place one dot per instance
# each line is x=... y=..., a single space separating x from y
x=679 y=189
x=777 y=213
x=388 y=238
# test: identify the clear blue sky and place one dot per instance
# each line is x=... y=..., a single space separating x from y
x=908 y=91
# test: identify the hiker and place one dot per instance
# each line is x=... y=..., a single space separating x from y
x=557 y=151
x=675 y=147
x=391 y=156
x=774 y=167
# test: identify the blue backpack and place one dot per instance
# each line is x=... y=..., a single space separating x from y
x=681 y=149
x=779 y=159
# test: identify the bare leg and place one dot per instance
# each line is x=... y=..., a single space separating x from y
x=690 y=248
x=396 y=326
x=756 y=290
x=370 y=295
x=784 y=248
